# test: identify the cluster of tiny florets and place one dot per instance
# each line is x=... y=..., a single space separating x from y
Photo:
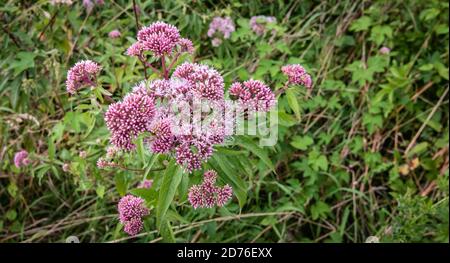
x=253 y=95
x=207 y=194
x=220 y=28
x=206 y=81
x=297 y=75
x=21 y=159
x=131 y=211
x=89 y=4
x=259 y=23
x=159 y=38
x=83 y=73
x=128 y=118
x=114 y=34
x=146 y=184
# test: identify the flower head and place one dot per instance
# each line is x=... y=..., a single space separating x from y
x=192 y=151
x=258 y=23
x=21 y=159
x=223 y=26
x=206 y=81
x=163 y=140
x=207 y=194
x=253 y=95
x=133 y=226
x=186 y=45
x=385 y=50
x=159 y=37
x=297 y=75
x=146 y=184
x=114 y=34
x=135 y=50
x=128 y=118
x=83 y=73
x=216 y=42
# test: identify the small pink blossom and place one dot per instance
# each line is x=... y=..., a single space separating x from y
x=146 y=184
x=131 y=211
x=297 y=75
x=222 y=26
x=385 y=50
x=186 y=45
x=253 y=95
x=128 y=118
x=207 y=194
x=114 y=34
x=21 y=159
x=258 y=23
x=83 y=73
x=159 y=37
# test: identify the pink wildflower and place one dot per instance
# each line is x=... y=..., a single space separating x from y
x=83 y=73
x=253 y=95
x=258 y=23
x=114 y=34
x=159 y=37
x=21 y=159
x=186 y=45
x=385 y=50
x=146 y=184
x=206 y=81
x=163 y=139
x=207 y=195
x=224 y=26
x=131 y=210
x=127 y=119
x=297 y=75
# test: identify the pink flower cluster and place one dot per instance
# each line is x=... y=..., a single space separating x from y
x=89 y=4
x=220 y=28
x=253 y=95
x=131 y=211
x=21 y=159
x=258 y=23
x=83 y=73
x=114 y=34
x=207 y=194
x=166 y=108
x=297 y=75
x=146 y=184
x=128 y=118
x=385 y=50
x=206 y=82
x=160 y=39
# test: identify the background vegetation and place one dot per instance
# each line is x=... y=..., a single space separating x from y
x=365 y=155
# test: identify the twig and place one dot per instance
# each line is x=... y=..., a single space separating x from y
x=413 y=141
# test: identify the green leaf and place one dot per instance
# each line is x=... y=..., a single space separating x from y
x=255 y=149
x=317 y=161
x=319 y=209
x=121 y=184
x=100 y=191
x=302 y=143
x=171 y=180
x=418 y=149
x=25 y=60
x=293 y=102
x=167 y=233
x=361 y=24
